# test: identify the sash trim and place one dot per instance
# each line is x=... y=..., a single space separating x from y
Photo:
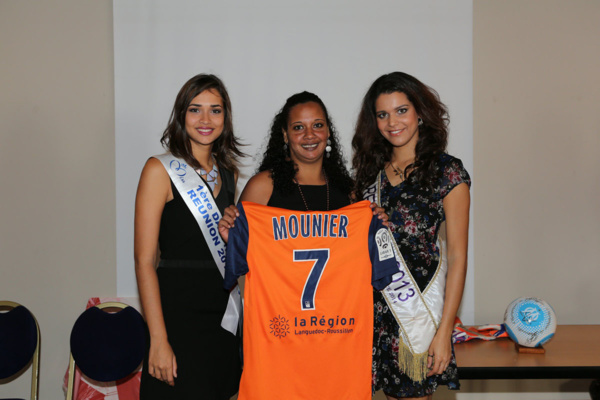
x=438 y=269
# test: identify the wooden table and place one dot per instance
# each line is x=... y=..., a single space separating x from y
x=573 y=353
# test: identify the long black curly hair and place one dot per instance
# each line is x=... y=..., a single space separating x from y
x=277 y=160
x=372 y=151
x=176 y=139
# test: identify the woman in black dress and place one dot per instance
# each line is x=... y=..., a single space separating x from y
x=190 y=355
x=400 y=144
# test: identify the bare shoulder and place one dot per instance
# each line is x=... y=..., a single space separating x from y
x=258 y=189
x=459 y=195
x=154 y=180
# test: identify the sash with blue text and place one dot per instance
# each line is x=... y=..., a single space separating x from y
x=199 y=199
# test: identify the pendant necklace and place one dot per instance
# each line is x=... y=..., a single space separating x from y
x=304 y=199
x=398 y=171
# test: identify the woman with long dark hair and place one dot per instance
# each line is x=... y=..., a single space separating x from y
x=302 y=167
x=400 y=160
x=193 y=350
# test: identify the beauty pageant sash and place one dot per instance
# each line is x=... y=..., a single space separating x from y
x=418 y=314
x=198 y=198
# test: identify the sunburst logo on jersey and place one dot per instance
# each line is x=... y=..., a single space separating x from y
x=280 y=326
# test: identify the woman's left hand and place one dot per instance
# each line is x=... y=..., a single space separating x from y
x=380 y=212
x=441 y=350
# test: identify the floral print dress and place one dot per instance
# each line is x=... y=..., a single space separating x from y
x=416 y=214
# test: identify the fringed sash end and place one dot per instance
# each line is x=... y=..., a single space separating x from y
x=413 y=365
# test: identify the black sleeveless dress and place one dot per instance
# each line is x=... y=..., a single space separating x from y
x=193 y=302
x=315 y=195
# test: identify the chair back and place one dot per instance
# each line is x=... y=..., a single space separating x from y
x=19 y=343
x=107 y=346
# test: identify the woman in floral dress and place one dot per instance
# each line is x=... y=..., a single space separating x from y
x=400 y=141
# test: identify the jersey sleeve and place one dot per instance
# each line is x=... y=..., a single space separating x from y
x=381 y=251
x=236 y=264
x=453 y=174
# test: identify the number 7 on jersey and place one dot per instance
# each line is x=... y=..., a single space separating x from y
x=320 y=257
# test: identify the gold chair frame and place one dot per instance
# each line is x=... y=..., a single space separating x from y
x=71 y=381
x=35 y=362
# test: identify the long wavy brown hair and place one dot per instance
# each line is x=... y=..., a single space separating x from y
x=372 y=151
x=175 y=137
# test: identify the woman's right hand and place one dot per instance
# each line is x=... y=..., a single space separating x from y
x=230 y=214
x=161 y=362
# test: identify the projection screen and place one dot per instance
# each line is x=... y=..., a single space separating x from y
x=265 y=51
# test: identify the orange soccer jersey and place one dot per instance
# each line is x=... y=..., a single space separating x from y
x=308 y=316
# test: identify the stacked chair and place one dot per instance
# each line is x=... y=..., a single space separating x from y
x=19 y=345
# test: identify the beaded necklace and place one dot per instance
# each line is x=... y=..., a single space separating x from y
x=304 y=199
x=211 y=176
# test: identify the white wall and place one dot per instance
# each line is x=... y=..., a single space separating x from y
x=267 y=51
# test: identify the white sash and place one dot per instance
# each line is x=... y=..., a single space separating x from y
x=198 y=198
x=418 y=314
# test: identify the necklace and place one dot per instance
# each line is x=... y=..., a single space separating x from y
x=398 y=171
x=304 y=199
x=211 y=176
